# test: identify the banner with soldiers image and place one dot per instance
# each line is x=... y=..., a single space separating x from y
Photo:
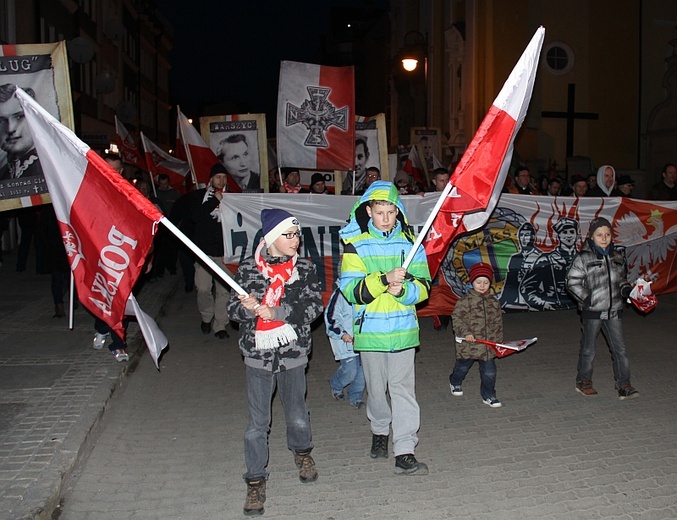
x=241 y=145
x=42 y=71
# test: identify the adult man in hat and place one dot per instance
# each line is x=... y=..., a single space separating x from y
x=625 y=184
x=212 y=292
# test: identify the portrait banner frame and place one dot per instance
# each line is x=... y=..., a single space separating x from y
x=44 y=68
x=216 y=128
x=432 y=133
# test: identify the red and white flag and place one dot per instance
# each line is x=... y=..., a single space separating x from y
x=414 y=166
x=107 y=226
x=475 y=185
x=159 y=161
x=200 y=156
x=129 y=152
x=180 y=151
x=316 y=117
x=504 y=348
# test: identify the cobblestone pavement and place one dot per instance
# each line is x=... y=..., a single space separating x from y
x=172 y=443
x=55 y=388
x=125 y=441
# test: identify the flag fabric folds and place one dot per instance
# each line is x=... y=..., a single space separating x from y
x=414 y=166
x=200 y=157
x=159 y=161
x=316 y=116
x=504 y=348
x=107 y=226
x=475 y=185
x=129 y=152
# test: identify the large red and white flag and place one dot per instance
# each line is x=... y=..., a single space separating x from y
x=107 y=226
x=159 y=161
x=129 y=152
x=201 y=158
x=475 y=185
x=316 y=117
x=414 y=166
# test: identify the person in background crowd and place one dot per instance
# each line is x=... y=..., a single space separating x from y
x=665 y=189
x=606 y=183
x=522 y=185
x=554 y=186
x=579 y=186
x=625 y=185
x=317 y=184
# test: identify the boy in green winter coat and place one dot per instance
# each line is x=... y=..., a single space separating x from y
x=477 y=315
x=384 y=294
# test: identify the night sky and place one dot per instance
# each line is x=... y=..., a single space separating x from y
x=231 y=50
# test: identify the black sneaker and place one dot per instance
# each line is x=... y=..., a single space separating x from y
x=222 y=334
x=408 y=465
x=379 y=446
x=627 y=392
x=206 y=327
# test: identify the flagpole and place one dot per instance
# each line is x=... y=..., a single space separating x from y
x=71 y=301
x=428 y=223
x=202 y=256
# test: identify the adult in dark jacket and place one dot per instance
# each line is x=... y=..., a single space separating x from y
x=212 y=292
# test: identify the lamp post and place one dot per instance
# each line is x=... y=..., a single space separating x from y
x=415 y=51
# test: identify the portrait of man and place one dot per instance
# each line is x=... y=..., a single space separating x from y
x=544 y=287
x=15 y=137
x=234 y=154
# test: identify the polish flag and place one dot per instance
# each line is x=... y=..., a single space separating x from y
x=159 y=161
x=180 y=151
x=316 y=117
x=201 y=158
x=415 y=167
x=107 y=226
x=129 y=152
x=475 y=185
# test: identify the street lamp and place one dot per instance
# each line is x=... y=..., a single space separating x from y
x=415 y=49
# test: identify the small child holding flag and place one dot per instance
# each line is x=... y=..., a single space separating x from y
x=477 y=315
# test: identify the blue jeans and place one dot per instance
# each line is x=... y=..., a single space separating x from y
x=291 y=385
x=613 y=332
x=487 y=375
x=349 y=373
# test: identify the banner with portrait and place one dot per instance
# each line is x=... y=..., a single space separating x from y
x=240 y=143
x=42 y=71
x=529 y=240
x=371 y=150
x=430 y=144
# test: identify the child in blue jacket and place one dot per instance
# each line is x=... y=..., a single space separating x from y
x=338 y=318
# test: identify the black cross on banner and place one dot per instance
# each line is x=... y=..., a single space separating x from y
x=570 y=115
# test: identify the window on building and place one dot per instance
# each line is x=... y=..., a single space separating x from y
x=559 y=58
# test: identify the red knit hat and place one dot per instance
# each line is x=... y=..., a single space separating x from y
x=481 y=269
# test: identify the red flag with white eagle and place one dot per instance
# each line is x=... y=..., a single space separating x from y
x=475 y=185
x=316 y=117
x=159 y=161
x=200 y=156
x=129 y=152
x=106 y=224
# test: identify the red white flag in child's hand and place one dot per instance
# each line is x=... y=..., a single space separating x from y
x=159 y=161
x=504 y=348
x=476 y=184
x=106 y=224
x=200 y=156
x=129 y=152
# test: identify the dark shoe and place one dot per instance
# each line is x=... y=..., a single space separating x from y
x=408 y=465
x=585 y=388
x=379 y=447
x=358 y=405
x=493 y=402
x=256 y=496
x=306 y=465
x=339 y=396
x=222 y=334
x=189 y=288
x=627 y=392
x=59 y=311
x=206 y=327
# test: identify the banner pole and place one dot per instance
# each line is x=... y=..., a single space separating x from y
x=202 y=256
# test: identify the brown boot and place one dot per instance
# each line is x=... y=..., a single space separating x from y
x=306 y=465
x=256 y=496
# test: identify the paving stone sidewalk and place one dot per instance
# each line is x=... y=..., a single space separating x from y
x=171 y=447
x=55 y=388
